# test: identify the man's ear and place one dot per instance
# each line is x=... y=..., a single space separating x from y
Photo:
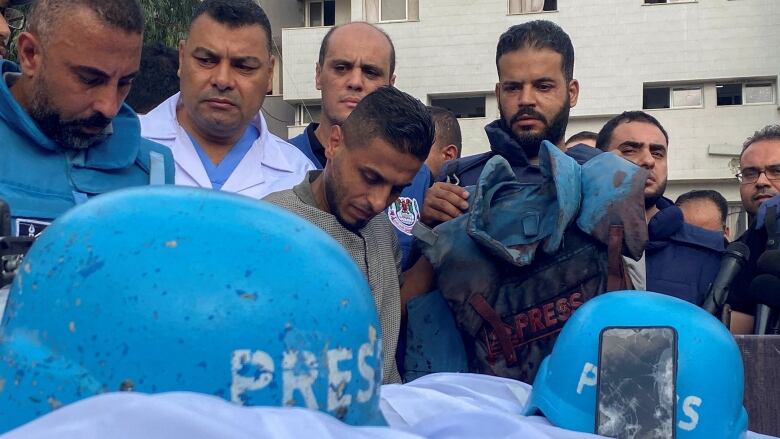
x=574 y=92
x=392 y=80
x=335 y=142
x=29 y=53
x=450 y=152
x=182 y=44
x=270 y=88
x=317 y=73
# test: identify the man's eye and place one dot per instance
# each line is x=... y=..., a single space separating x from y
x=749 y=173
x=88 y=80
x=205 y=61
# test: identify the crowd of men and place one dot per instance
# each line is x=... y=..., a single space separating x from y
x=375 y=163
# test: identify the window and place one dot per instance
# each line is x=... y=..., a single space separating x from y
x=462 y=107
x=744 y=93
x=672 y=97
x=393 y=10
x=686 y=97
x=652 y=2
x=321 y=13
x=656 y=98
x=377 y=11
x=729 y=94
x=759 y=94
x=308 y=114
x=532 y=6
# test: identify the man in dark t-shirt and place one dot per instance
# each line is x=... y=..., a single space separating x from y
x=759 y=179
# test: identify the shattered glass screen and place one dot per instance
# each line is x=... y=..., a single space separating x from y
x=636 y=383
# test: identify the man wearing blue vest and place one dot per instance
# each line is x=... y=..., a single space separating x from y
x=354 y=60
x=214 y=126
x=639 y=138
x=66 y=134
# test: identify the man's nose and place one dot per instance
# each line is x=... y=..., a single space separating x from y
x=108 y=101
x=5 y=32
x=355 y=80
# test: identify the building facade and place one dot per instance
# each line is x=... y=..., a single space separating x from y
x=707 y=69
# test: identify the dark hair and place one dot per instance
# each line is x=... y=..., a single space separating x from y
x=714 y=196
x=539 y=34
x=447 y=127
x=157 y=79
x=582 y=135
x=126 y=15
x=393 y=116
x=236 y=13
x=605 y=135
x=326 y=42
x=769 y=132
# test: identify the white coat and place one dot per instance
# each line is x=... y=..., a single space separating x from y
x=271 y=165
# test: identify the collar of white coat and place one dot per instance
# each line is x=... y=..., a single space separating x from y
x=161 y=125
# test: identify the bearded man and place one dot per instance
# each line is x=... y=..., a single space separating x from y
x=536 y=90
x=66 y=133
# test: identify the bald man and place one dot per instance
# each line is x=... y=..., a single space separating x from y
x=354 y=60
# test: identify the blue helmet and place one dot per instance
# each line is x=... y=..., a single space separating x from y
x=709 y=380
x=162 y=289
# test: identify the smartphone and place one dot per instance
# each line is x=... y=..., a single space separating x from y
x=635 y=388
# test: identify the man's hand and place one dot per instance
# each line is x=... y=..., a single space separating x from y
x=741 y=323
x=443 y=202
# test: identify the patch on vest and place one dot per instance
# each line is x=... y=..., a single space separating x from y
x=30 y=227
x=534 y=323
x=403 y=213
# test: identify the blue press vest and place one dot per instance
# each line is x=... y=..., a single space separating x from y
x=40 y=181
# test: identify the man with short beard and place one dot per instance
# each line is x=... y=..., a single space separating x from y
x=759 y=184
x=680 y=259
x=535 y=92
x=66 y=134
x=371 y=157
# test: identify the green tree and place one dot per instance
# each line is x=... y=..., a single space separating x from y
x=167 y=20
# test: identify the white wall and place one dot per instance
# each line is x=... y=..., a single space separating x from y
x=619 y=46
x=278 y=113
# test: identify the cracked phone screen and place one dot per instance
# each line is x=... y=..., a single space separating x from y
x=636 y=383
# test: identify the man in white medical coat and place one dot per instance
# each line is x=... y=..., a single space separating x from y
x=214 y=126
